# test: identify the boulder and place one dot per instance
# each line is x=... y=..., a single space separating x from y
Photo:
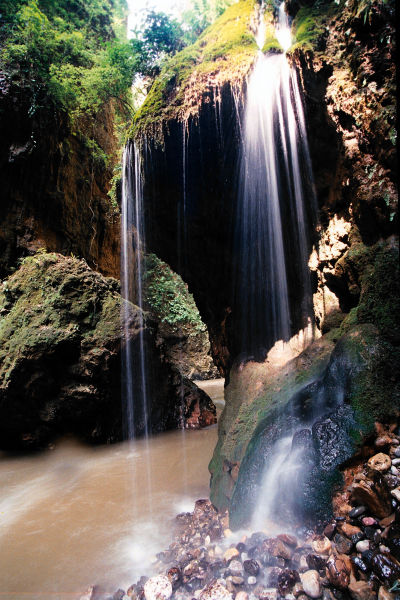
x=61 y=348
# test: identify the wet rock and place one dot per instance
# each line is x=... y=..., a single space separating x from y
x=349 y=530
x=357 y=537
x=373 y=496
x=384 y=594
x=385 y=567
x=359 y=563
x=369 y=521
x=119 y=595
x=251 y=567
x=158 y=587
x=361 y=590
x=316 y=562
x=357 y=511
x=330 y=530
x=267 y=594
x=343 y=544
x=174 y=575
x=242 y=596
x=230 y=554
x=286 y=580
x=382 y=441
x=380 y=462
x=237 y=580
x=272 y=576
x=396 y=493
x=338 y=571
x=251 y=580
x=362 y=546
x=215 y=591
x=279 y=549
x=388 y=520
x=311 y=582
x=290 y=540
x=321 y=545
x=241 y=547
x=235 y=567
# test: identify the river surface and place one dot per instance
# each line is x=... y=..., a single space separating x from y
x=77 y=515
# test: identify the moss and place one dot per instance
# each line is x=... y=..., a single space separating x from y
x=310 y=23
x=167 y=297
x=223 y=53
x=51 y=301
x=271 y=43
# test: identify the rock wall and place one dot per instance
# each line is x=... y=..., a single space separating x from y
x=54 y=185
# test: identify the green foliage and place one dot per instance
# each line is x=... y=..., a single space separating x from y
x=309 y=24
x=66 y=53
x=167 y=296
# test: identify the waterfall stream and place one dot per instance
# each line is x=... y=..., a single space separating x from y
x=275 y=183
x=276 y=207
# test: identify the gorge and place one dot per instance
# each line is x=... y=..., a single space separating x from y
x=252 y=224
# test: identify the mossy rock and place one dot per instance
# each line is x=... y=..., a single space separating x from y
x=359 y=385
x=222 y=54
x=61 y=347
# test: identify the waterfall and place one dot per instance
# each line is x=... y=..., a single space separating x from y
x=275 y=183
x=275 y=212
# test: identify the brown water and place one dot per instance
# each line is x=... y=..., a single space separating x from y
x=77 y=516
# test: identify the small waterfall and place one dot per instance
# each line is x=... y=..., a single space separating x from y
x=134 y=361
x=275 y=187
x=276 y=210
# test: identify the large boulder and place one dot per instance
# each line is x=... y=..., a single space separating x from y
x=60 y=358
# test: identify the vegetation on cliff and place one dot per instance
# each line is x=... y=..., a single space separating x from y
x=223 y=53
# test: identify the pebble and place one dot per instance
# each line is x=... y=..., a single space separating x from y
x=329 y=530
x=394 y=470
x=251 y=580
x=396 y=461
x=311 y=583
x=251 y=567
x=228 y=533
x=158 y=587
x=361 y=590
x=235 y=567
x=384 y=594
x=230 y=553
x=242 y=596
x=321 y=545
x=396 y=493
x=397 y=452
x=369 y=521
x=357 y=512
x=338 y=570
x=343 y=544
x=385 y=568
x=362 y=546
x=350 y=530
x=215 y=591
x=268 y=594
x=380 y=462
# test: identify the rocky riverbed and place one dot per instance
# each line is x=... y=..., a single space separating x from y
x=353 y=556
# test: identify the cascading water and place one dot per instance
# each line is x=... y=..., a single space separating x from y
x=276 y=209
x=275 y=180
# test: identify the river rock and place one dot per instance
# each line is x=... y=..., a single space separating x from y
x=158 y=587
x=321 y=545
x=357 y=511
x=242 y=596
x=251 y=580
x=311 y=582
x=278 y=548
x=288 y=539
x=385 y=567
x=338 y=569
x=342 y=544
x=267 y=594
x=380 y=462
x=362 y=546
x=215 y=591
x=235 y=567
x=286 y=581
x=349 y=530
x=376 y=500
x=316 y=562
x=251 y=566
x=230 y=553
x=396 y=493
x=361 y=590
x=384 y=594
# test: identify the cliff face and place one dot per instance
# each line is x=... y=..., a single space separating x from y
x=344 y=56
x=54 y=186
